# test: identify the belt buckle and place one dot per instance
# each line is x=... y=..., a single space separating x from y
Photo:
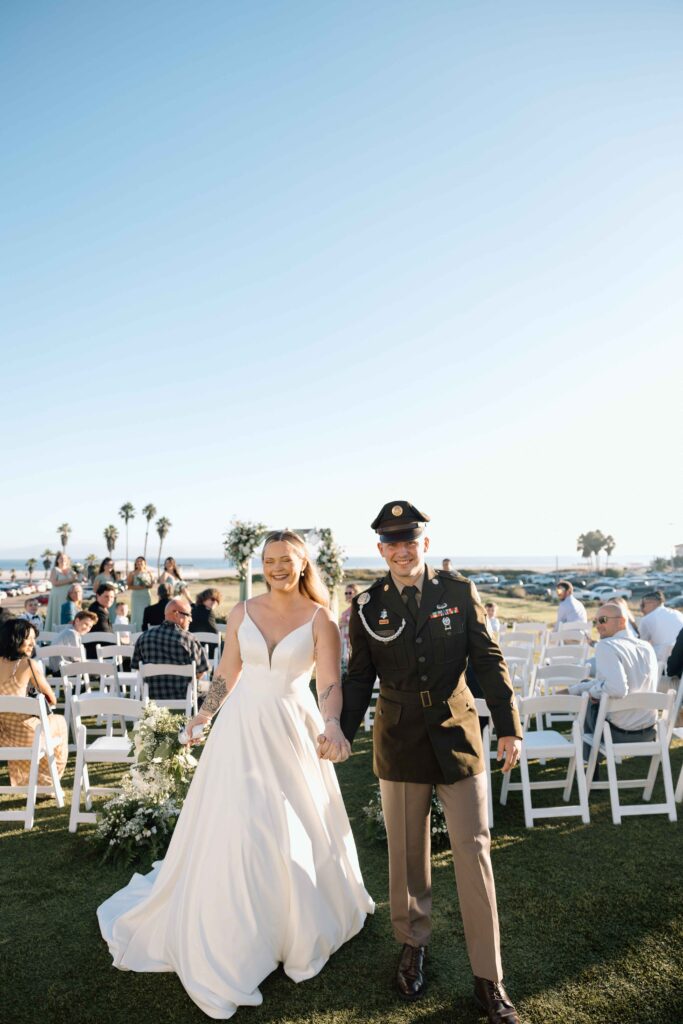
x=425 y=698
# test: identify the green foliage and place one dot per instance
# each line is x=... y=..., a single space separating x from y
x=330 y=559
x=590 y=544
x=659 y=564
x=241 y=541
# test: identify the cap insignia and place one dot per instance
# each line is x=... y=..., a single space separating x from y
x=397 y=510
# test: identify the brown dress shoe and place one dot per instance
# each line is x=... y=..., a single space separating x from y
x=491 y=997
x=410 y=978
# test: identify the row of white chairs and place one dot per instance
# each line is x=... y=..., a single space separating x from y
x=545 y=743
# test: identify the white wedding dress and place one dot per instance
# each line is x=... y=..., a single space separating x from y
x=262 y=868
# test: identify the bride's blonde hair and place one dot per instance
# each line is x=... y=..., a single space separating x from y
x=310 y=583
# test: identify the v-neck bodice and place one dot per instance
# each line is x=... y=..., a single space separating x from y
x=290 y=660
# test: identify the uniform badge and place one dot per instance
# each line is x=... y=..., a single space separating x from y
x=363 y=599
x=444 y=605
x=397 y=510
x=435 y=582
x=384 y=618
x=386 y=587
x=446 y=623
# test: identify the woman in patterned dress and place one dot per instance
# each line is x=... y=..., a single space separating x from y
x=17 y=673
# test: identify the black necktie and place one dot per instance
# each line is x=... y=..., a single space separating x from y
x=409 y=594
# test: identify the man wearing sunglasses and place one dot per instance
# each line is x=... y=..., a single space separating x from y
x=170 y=644
x=624 y=664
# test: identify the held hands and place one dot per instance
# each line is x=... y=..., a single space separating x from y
x=509 y=747
x=333 y=745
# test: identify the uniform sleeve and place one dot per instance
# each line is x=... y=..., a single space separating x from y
x=360 y=678
x=488 y=662
x=674 y=666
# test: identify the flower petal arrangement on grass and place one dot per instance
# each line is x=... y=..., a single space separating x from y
x=137 y=824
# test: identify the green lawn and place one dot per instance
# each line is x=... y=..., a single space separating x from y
x=591 y=918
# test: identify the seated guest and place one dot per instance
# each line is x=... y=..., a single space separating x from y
x=153 y=615
x=203 y=617
x=659 y=625
x=674 y=666
x=72 y=636
x=170 y=644
x=31 y=613
x=104 y=599
x=624 y=665
x=72 y=604
x=569 y=608
x=19 y=674
x=492 y=620
x=631 y=627
x=121 y=614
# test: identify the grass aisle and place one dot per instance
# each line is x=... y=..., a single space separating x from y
x=591 y=918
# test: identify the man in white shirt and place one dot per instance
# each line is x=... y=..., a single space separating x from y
x=72 y=636
x=569 y=608
x=659 y=625
x=624 y=664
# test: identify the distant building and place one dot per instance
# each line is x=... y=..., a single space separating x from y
x=678 y=549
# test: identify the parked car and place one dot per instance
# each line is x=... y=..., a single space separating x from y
x=675 y=602
x=607 y=593
x=484 y=577
x=536 y=590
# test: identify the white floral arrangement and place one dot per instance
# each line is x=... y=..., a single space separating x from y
x=376 y=827
x=330 y=559
x=241 y=542
x=142 y=579
x=138 y=823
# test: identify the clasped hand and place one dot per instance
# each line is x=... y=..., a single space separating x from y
x=333 y=744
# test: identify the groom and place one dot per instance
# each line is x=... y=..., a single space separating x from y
x=417 y=629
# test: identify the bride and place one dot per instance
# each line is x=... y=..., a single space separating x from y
x=262 y=868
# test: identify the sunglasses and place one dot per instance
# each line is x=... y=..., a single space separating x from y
x=602 y=619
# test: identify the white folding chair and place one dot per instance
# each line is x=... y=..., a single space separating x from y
x=548 y=679
x=188 y=704
x=76 y=680
x=42 y=746
x=100 y=638
x=565 y=654
x=542 y=744
x=214 y=639
x=63 y=654
x=580 y=633
x=46 y=637
x=122 y=630
x=489 y=754
x=657 y=750
x=369 y=717
x=114 y=654
x=103 y=750
x=576 y=627
x=520 y=666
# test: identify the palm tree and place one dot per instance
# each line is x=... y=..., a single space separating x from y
x=111 y=535
x=64 y=530
x=609 y=545
x=31 y=563
x=47 y=557
x=127 y=512
x=163 y=526
x=149 y=512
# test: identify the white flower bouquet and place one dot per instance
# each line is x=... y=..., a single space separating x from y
x=142 y=579
x=330 y=560
x=241 y=542
x=138 y=823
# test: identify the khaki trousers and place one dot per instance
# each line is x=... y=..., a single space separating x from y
x=406 y=807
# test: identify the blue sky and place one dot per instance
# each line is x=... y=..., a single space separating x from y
x=288 y=261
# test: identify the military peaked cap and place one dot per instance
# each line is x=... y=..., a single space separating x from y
x=399 y=520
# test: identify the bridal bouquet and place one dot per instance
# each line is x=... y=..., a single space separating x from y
x=137 y=824
x=241 y=542
x=142 y=579
x=377 y=829
x=330 y=559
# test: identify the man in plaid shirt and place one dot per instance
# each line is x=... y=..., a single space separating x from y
x=170 y=644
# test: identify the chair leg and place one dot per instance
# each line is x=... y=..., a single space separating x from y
x=86 y=787
x=54 y=775
x=33 y=781
x=679 y=788
x=668 y=780
x=612 y=776
x=571 y=768
x=651 y=776
x=76 y=794
x=526 y=790
x=504 y=789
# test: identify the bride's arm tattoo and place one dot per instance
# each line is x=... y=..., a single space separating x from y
x=218 y=691
x=322 y=701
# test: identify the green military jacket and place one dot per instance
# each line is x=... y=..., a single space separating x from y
x=426 y=725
